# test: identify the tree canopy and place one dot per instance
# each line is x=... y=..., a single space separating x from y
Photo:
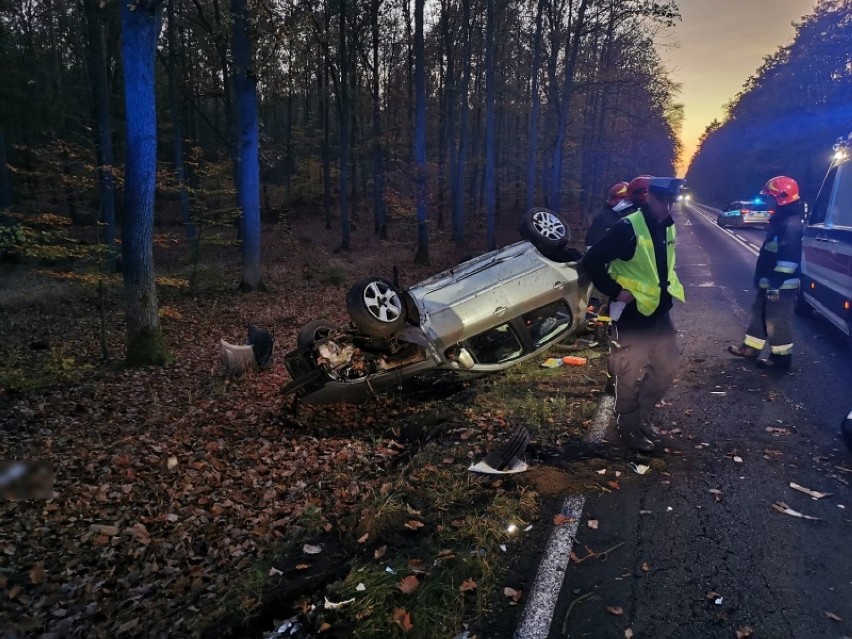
x=786 y=117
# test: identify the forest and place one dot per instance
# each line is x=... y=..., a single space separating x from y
x=363 y=113
x=173 y=170
x=786 y=117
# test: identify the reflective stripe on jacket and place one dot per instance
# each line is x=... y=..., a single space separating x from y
x=639 y=274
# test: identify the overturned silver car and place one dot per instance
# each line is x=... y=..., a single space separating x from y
x=482 y=316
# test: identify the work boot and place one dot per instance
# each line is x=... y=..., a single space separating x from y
x=776 y=362
x=635 y=440
x=744 y=351
x=628 y=426
x=651 y=432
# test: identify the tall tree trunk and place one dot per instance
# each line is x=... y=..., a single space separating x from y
x=379 y=213
x=5 y=183
x=490 y=186
x=422 y=254
x=103 y=121
x=572 y=51
x=248 y=193
x=343 y=113
x=326 y=121
x=227 y=94
x=532 y=162
x=140 y=29
x=464 y=138
x=177 y=126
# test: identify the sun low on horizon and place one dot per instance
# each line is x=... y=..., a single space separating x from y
x=716 y=47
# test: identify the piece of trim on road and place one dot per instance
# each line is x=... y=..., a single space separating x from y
x=537 y=615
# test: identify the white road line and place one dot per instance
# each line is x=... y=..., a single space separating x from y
x=707 y=217
x=538 y=611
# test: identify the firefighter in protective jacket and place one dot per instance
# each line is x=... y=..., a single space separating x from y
x=634 y=264
x=776 y=277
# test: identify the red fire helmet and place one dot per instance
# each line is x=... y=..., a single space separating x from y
x=784 y=189
x=638 y=188
x=617 y=192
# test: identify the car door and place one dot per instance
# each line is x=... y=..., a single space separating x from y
x=827 y=248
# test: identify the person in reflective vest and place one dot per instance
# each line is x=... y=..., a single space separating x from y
x=776 y=278
x=634 y=264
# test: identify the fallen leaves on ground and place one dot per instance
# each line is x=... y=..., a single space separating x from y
x=744 y=632
x=560 y=520
x=402 y=618
x=408 y=585
x=468 y=585
x=615 y=610
x=514 y=595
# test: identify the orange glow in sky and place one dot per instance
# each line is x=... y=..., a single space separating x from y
x=716 y=47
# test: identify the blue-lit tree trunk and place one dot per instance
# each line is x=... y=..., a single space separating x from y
x=140 y=27
x=422 y=254
x=490 y=186
x=248 y=184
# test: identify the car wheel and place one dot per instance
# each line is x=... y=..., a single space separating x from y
x=376 y=307
x=801 y=306
x=544 y=229
x=313 y=332
x=719 y=221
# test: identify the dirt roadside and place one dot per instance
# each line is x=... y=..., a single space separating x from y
x=189 y=502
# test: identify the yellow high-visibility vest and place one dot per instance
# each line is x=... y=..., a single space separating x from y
x=639 y=274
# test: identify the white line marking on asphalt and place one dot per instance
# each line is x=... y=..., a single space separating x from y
x=538 y=611
x=707 y=217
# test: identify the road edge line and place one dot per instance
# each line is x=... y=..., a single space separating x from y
x=537 y=615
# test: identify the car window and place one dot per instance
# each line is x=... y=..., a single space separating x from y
x=546 y=323
x=840 y=207
x=820 y=209
x=495 y=346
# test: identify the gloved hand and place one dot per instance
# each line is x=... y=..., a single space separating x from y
x=772 y=295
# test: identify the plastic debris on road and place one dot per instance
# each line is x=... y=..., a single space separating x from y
x=812 y=493
x=331 y=605
x=783 y=508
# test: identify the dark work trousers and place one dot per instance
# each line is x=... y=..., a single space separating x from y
x=642 y=364
x=773 y=320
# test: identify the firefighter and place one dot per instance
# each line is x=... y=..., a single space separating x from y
x=618 y=204
x=776 y=277
x=634 y=263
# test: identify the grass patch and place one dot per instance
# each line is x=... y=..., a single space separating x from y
x=442 y=526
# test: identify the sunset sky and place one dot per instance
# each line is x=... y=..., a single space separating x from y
x=716 y=47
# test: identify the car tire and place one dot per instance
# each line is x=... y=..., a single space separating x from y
x=376 y=306
x=801 y=306
x=313 y=332
x=544 y=229
x=719 y=222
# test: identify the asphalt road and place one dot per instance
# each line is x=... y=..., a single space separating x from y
x=698 y=549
